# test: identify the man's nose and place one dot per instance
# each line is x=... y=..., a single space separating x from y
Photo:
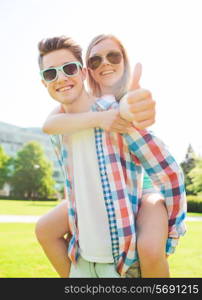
x=61 y=75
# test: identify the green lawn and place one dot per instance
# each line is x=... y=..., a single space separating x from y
x=22 y=256
x=186 y=261
x=34 y=208
x=20 y=207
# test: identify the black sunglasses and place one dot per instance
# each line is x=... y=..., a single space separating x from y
x=114 y=57
x=69 y=69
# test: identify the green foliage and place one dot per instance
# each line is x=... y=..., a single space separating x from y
x=194 y=203
x=187 y=165
x=196 y=177
x=32 y=176
x=4 y=166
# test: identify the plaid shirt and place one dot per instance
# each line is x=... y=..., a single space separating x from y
x=122 y=159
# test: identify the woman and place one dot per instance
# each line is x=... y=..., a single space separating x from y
x=151 y=239
x=109 y=73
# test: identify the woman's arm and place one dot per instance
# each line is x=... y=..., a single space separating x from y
x=59 y=122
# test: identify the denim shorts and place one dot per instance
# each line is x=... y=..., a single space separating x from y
x=87 y=269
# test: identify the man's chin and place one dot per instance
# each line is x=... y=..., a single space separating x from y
x=68 y=101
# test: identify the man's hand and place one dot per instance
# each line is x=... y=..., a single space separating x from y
x=111 y=120
x=137 y=105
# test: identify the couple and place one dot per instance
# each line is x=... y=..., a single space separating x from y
x=118 y=223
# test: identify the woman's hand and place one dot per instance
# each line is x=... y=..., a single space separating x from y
x=138 y=105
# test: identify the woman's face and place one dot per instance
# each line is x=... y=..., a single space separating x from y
x=107 y=74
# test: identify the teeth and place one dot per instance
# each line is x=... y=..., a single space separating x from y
x=106 y=72
x=66 y=88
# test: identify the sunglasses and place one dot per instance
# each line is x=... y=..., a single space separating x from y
x=114 y=57
x=69 y=69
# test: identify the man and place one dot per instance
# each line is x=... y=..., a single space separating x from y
x=87 y=156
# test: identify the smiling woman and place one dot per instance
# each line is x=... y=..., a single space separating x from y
x=108 y=66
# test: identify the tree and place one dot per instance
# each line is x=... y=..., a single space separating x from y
x=187 y=165
x=4 y=167
x=32 y=176
x=196 y=177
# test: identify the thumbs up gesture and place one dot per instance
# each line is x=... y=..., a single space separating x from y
x=137 y=105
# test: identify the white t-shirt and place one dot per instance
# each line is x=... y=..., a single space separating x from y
x=94 y=234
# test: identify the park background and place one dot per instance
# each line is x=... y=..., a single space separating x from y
x=164 y=35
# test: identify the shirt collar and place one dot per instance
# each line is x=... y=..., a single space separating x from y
x=105 y=102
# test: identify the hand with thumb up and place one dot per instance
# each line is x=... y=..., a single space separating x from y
x=137 y=105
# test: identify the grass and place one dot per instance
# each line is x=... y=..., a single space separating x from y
x=194 y=214
x=186 y=261
x=35 y=208
x=25 y=207
x=22 y=256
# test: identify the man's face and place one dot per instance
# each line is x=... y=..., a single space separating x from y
x=64 y=89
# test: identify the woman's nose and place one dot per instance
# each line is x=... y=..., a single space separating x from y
x=105 y=60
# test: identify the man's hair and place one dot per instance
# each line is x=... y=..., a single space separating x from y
x=124 y=82
x=48 y=45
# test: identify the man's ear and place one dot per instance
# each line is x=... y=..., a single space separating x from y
x=84 y=73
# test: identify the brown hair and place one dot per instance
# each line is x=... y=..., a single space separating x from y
x=50 y=44
x=95 y=88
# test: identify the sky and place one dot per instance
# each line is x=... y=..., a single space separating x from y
x=164 y=35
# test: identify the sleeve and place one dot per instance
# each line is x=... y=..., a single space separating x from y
x=60 y=154
x=167 y=178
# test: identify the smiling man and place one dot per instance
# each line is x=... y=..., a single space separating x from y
x=63 y=75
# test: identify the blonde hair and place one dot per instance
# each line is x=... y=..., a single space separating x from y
x=124 y=81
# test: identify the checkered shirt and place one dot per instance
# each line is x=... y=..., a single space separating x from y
x=122 y=158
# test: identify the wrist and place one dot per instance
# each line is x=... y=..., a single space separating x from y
x=97 y=118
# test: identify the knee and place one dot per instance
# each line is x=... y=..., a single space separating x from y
x=149 y=252
x=41 y=230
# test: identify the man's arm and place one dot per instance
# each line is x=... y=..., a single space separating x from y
x=59 y=122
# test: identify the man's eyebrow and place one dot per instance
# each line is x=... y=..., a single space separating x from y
x=64 y=63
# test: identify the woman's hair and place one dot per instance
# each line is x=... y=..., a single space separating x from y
x=48 y=45
x=124 y=81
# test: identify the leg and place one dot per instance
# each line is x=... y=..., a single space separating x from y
x=152 y=228
x=50 y=231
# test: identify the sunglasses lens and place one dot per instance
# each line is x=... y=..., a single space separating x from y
x=49 y=75
x=114 y=57
x=70 y=69
x=94 y=62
